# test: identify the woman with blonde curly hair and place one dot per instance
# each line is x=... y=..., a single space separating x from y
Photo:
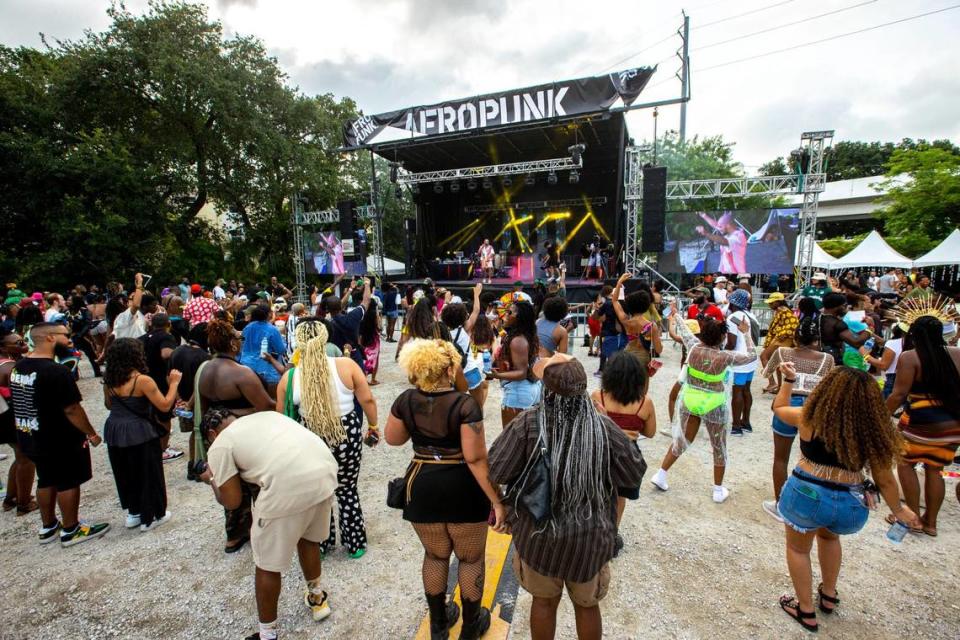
x=448 y=488
x=844 y=429
x=326 y=394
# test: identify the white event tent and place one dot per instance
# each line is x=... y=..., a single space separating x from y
x=945 y=253
x=873 y=251
x=821 y=259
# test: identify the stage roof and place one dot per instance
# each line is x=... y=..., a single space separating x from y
x=539 y=141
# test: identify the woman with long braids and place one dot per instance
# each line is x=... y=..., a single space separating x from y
x=928 y=380
x=22 y=472
x=224 y=383
x=323 y=392
x=513 y=366
x=132 y=436
x=703 y=395
x=844 y=430
x=811 y=365
x=590 y=458
x=448 y=489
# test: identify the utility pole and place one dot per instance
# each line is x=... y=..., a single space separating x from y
x=684 y=78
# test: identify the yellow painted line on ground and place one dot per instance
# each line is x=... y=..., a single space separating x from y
x=498 y=545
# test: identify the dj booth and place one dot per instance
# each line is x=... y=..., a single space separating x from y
x=451 y=269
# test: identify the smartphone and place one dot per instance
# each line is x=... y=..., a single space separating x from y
x=371 y=439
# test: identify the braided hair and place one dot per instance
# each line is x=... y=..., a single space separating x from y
x=317 y=406
x=524 y=325
x=939 y=372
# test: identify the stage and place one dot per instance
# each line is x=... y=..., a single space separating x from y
x=578 y=290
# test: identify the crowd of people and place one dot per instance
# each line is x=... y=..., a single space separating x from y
x=274 y=394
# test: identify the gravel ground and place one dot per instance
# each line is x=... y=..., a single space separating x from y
x=690 y=569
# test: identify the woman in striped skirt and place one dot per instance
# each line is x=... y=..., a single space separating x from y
x=928 y=379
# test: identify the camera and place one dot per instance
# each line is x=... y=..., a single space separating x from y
x=199 y=467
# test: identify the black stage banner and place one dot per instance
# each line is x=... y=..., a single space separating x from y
x=542 y=102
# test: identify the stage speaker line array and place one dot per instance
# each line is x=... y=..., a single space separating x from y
x=654 y=209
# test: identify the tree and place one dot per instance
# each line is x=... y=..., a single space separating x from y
x=776 y=167
x=112 y=145
x=927 y=204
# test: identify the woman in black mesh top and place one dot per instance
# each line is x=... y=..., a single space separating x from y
x=448 y=489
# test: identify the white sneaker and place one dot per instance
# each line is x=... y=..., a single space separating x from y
x=720 y=494
x=772 y=509
x=156 y=523
x=171 y=454
x=133 y=521
x=659 y=480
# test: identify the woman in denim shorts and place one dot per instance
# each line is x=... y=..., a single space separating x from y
x=844 y=428
x=811 y=365
x=518 y=351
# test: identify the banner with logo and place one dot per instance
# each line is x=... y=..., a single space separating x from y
x=542 y=102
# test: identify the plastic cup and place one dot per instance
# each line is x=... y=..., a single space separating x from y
x=897 y=532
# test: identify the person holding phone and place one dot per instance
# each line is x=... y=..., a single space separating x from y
x=643 y=335
x=323 y=393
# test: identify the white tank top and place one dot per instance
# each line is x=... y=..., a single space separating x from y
x=344 y=396
x=897 y=347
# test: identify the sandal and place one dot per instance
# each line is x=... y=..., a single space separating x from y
x=31 y=506
x=801 y=617
x=8 y=504
x=835 y=600
x=774 y=390
x=892 y=519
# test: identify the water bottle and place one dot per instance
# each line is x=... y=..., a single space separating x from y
x=184 y=413
x=487 y=361
x=896 y=532
x=264 y=346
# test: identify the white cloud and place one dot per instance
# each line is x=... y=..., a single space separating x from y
x=900 y=81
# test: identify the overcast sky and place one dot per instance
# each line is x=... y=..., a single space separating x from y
x=886 y=84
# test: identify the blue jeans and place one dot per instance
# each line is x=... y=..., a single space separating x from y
x=888 y=384
x=609 y=345
x=806 y=506
x=521 y=394
x=780 y=427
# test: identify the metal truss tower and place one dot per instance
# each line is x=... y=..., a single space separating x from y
x=809 y=180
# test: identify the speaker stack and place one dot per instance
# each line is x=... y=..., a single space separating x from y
x=654 y=209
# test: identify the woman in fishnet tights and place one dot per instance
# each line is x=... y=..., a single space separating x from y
x=449 y=493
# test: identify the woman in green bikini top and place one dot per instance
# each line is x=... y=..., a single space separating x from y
x=703 y=395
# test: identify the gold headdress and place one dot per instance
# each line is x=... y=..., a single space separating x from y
x=911 y=309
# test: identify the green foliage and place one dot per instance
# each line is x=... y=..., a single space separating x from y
x=701 y=159
x=927 y=205
x=838 y=247
x=110 y=147
x=909 y=245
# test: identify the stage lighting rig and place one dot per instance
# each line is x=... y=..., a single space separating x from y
x=394 y=171
x=530 y=180
x=507 y=181
x=487 y=183
x=438 y=187
x=574 y=176
x=471 y=185
x=415 y=188
x=454 y=187
x=576 y=152
x=552 y=178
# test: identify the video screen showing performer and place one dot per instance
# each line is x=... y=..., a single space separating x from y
x=730 y=242
x=323 y=253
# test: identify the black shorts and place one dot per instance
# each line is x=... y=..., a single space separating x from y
x=446 y=493
x=630 y=493
x=63 y=469
x=8 y=433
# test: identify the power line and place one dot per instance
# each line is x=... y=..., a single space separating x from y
x=784 y=26
x=745 y=13
x=830 y=38
x=672 y=35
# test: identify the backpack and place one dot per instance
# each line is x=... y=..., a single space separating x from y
x=456 y=345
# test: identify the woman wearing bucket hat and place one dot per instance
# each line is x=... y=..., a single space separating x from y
x=780 y=333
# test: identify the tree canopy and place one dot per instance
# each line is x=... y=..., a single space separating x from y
x=112 y=145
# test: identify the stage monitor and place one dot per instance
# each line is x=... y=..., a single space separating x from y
x=730 y=242
x=325 y=252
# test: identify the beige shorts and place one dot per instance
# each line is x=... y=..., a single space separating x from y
x=583 y=594
x=274 y=541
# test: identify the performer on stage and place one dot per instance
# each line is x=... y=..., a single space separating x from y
x=486 y=260
x=732 y=241
x=551 y=260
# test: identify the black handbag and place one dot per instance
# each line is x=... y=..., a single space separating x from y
x=531 y=492
x=397 y=492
